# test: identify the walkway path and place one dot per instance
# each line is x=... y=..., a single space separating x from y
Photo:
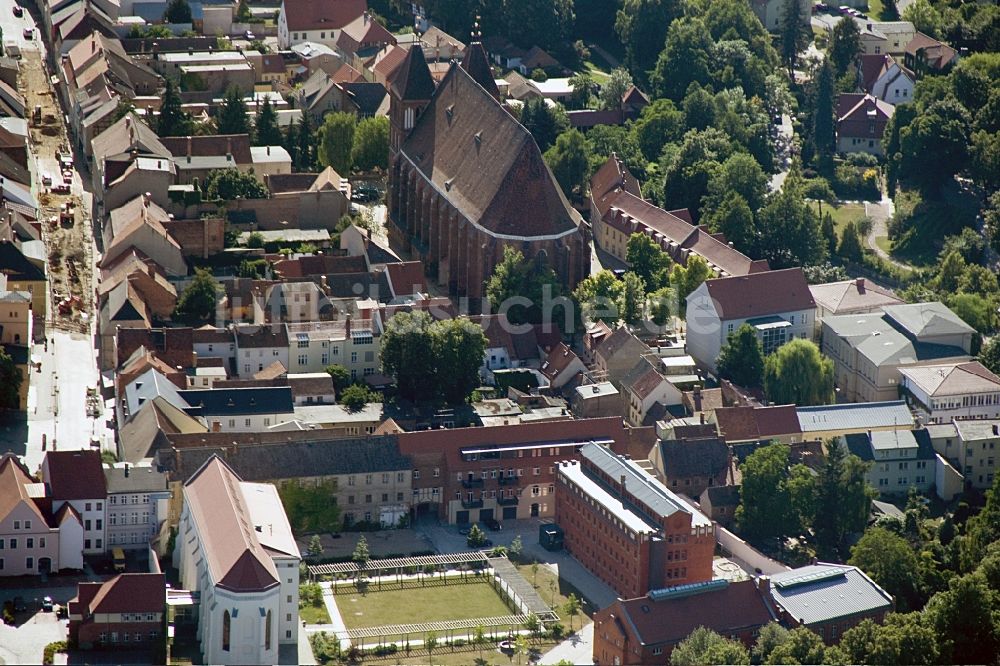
x=880 y=213
x=578 y=649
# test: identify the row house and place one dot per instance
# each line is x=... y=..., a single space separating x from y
x=352 y=343
x=972 y=448
x=128 y=611
x=76 y=479
x=137 y=503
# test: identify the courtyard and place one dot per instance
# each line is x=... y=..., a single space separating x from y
x=415 y=604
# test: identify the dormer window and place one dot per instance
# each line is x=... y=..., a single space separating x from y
x=409 y=117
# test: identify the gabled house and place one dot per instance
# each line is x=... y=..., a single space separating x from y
x=770 y=12
x=747 y=424
x=861 y=122
x=260 y=346
x=139 y=226
x=951 y=391
x=885 y=79
x=616 y=355
x=127 y=611
x=646 y=394
x=76 y=478
x=316 y=20
x=777 y=304
x=926 y=55
x=362 y=37
x=561 y=366
x=971 y=447
x=116 y=148
x=690 y=465
x=857 y=296
x=899 y=460
x=240 y=409
x=240 y=555
x=26 y=275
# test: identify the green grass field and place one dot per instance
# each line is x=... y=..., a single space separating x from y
x=456 y=601
x=314 y=614
x=842 y=214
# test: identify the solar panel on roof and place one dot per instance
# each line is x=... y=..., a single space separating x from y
x=815 y=577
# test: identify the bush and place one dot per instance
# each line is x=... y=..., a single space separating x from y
x=855 y=182
x=48 y=655
x=861 y=159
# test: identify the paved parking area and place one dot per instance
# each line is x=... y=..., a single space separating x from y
x=24 y=642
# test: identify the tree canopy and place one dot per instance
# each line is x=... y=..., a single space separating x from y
x=516 y=278
x=798 y=374
x=370 y=149
x=230 y=184
x=11 y=379
x=569 y=161
x=232 y=118
x=336 y=141
x=196 y=304
x=704 y=646
x=648 y=260
x=742 y=358
x=172 y=120
x=266 y=131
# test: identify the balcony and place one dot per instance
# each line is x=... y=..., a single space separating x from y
x=472 y=504
x=507 y=480
x=507 y=501
x=472 y=483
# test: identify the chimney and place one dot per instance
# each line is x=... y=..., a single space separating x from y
x=860 y=282
x=126 y=470
x=764 y=584
x=93 y=49
x=621 y=489
x=869 y=27
x=702 y=414
x=189 y=148
x=347 y=324
x=269 y=151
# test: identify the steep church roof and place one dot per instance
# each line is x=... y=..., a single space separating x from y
x=486 y=163
x=412 y=79
x=477 y=65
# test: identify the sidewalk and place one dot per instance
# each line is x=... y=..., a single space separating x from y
x=578 y=649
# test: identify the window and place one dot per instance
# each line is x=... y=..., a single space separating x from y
x=27 y=524
x=1 y=544
x=86 y=507
x=31 y=543
x=41 y=542
x=246 y=423
x=303 y=359
x=17 y=524
x=267 y=631
x=100 y=524
x=86 y=544
x=354 y=357
x=29 y=563
x=13 y=544
x=225 y=630
x=86 y=525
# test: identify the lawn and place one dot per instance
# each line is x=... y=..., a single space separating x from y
x=843 y=214
x=881 y=10
x=456 y=601
x=543 y=584
x=314 y=614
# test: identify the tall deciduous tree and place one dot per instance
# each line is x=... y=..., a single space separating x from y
x=633 y=298
x=766 y=508
x=904 y=638
x=733 y=218
x=742 y=358
x=407 y=353
x=11 y=379
x=648 y=260
x=802 y=647
x=613 y=90
x=790 y=232
x=599 y=296
x=230 y=184
x=371 y=144
x=740 y=174
x=266 y=131
x=704 y=646
x=642 y=27
x=517 y=277
x=684 y=60
x=685 y=279
x=941 y=130
x=459 y=345
x=336 y=141
x=659 y=123
x=823 y=109
x=964 y=619
x=888 y=560
x=196 y=304
x=797 y=373
x=232 y=117
x=569 y=160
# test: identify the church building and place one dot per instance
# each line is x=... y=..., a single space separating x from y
x=466 y=179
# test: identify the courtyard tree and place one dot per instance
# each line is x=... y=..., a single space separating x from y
x=516 y=277
x=516 y=548
x=356 y=396
x=797 y=373
x=600 y=297
x=569 y=160
x=232 y=184
x=232 y=118
x=741 y=359
x=890 y=561
x=370 y=149
x=11 y=378
x=336 y=141
x=430 y=642
x=196 y=304
x=572 y=607
x=173 y=120
x=178 y=11
x=315 y=547
x=703 y=647
x=266 y=131
x=340 y=376
x=310 y=508
x=801 y=647
x=476 y=537
x=361 y=555
x=648 y=260
x=843 y=498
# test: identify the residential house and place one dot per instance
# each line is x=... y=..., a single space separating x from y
x=646 y=394
x=34 y=539
x=719 y=503
x=143 y=175
x=145 y=432
x=23 y=274
x=690 y=465
x=972 y=447
x=352 y=343
x=197 y=156
x=616 y=355
x=270 y=160
x=618 y=210
x=16 y=321
x=312 y=388
x=646 y=629
x=873 y=40
x=316 y=20
x=362 y=38
x=258 y=346
x=777 y=304
x=240 y=409
x=951 y=391
x=800 y=596
x=770 y=12
x=926 y=55
x=240 y=556
x=438 y=45
x=76 y=478
x=140 y=225
x=900 y=460
x=857 y=296
x=122 y=306
x=869 y=350
x=561 y=366
x=316 y=57
x=291 y=302
x=596 y=400
x=750 y=424
x=627 y=528
x=137 y=503
x=115 y=149
x=887 y=80
x=898 y=34
x=861 y=122
x=127 y=611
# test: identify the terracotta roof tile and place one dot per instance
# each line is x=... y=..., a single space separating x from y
x=740 y=424
x=760 y=294
x=130 y=593
x=75 y=475
x=322 y=14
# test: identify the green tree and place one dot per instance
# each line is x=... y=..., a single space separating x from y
x=738 y=174
x=243 y=13
x=741 y=359
x=178 y=11
x=982 y=529
x=613 y=90
x=516 y=548
x=765 y=508
x=583 y=89
x=704 y=646
x=310 y=508
x=734 y=219
x=964 y=620
x=231 y=184
x=196 y=304
x=476 y=537
x=336 y=141
x=924 y=17
x=790 y=232
x=888 y=559
x=371 y=144
x=989 y=355
x=173 y=120
x=517 y=277
x=796 y=373
x=685 y=279
x=850 y=243
x=12 y=378
x=902 y=639
x=802 y=647
x=600 y=297
x=659 y=123
x=689 y=168
x=255 y=240
x=770 y=637
x=823 y=127
x=642 y=28
x=845 y=47
x=633 y=298
x=306 y=149
x=572 y=607
x=794 y=36
x=569 y=160
x=266 y=130
x=407 y=353
x=843 y=497
x=520 y=646
x=684 y=59
x=430 y=642
x=315 y=548
x=355 y=397
x=662 y=305
x=976 y=311
x=340 y=375
x=458 y=348
x=942 y=130
x=361 y=555
x=648 y=260
x=544 y=122
x=232 y=118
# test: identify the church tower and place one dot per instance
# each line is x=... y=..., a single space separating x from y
x=410 y=92
x=477 y=63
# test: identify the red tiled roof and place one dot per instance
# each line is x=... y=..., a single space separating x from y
x=385 y=68
x=211 y=145
x=872 y=67
x=13 y=478
x=740 y=424
x=936 y=54
x=130 y=593
x=609 y=180
x=760 y=294
x=411 y=79
x=406 y=277
x=74 y=475
x=558 y=360
x=322 y=14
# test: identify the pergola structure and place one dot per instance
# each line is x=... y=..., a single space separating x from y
x=396 y=566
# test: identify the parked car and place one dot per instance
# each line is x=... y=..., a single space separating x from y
x=844 y=9
x=47 y=604
x=493 y=524
x=249 y=35
x=46 y=179
x=29 y=33
x=18 y=11
x=365 y=192
x=19 y=605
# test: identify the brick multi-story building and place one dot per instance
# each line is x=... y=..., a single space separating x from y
x=627 y=528
x=502 y=472
x=126 y=611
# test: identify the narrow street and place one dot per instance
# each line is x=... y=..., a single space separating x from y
x=57 y=416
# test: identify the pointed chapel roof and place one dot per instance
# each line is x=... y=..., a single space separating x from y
x=477 y=65
x=412 y=79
